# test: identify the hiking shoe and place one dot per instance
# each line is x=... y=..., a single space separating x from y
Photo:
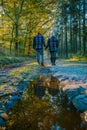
x=42 y=64
x=53 y=64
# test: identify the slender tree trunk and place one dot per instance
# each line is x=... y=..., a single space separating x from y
x=16 y=42
x=84 y=27
x=75 y=33
x=24 y=48
x=11 y=40
x=71 y=46
x=79 y=31
x=62 y=39
x=66 y=45
x=73 y=38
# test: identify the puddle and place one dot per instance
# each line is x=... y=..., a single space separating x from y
x=44 y=107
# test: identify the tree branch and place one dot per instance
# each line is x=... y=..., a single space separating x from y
x=5 y=11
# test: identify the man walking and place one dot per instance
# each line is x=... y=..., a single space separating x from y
x=38 y=45
x=53 y=45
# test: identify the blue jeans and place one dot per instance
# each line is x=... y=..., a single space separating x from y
x=53 y=57
x=40 y=56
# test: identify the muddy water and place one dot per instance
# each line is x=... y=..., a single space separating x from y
x=44 y=107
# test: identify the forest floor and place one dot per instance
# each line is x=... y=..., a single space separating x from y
x=71 y=74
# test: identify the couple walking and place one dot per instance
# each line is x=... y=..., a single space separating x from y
x=39 y=45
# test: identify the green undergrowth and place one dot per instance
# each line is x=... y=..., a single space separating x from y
x=82 y=59
x=78 y=57
x=6 y=60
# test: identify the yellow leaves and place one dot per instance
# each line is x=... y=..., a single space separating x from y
x=11 y=5
x=66 y=0
x=33 y=16
x=4 y=116
x=11 y=123
x=2 y=128
x=14 y=0
x=18 y=39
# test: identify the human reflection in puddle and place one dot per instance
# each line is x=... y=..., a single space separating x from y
x=39 y=86
x=42 y=85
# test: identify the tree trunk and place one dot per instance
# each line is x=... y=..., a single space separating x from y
x=84 y=26
x=79 y=31
x=16 y=42
x=66 y=45
x=71 y=46
x=11 y=40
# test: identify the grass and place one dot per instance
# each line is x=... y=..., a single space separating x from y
x=6 y=60
x=78 y=57
x=84 y=59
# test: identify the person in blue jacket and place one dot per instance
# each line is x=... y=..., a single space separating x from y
x=38 y=45
x=52 y=44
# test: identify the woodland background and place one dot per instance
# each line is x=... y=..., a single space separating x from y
x=20 y=20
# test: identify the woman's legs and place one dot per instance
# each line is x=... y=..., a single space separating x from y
x=53 y=57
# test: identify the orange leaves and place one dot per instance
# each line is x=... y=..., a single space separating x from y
x=11 y=5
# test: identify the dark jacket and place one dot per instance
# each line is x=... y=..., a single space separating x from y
x=52 y=43
x=38 y=42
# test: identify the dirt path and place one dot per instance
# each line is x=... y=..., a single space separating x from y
x=73 y=74
x=14 y=78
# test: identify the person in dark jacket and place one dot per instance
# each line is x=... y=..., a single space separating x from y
x=52 y=44
x=38 y=45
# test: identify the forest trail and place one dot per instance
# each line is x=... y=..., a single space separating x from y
x=74 y=74
x=14 y=79
x=70 y=73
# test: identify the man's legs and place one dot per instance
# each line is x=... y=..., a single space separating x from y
x=42 y=57
x=38 y=56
